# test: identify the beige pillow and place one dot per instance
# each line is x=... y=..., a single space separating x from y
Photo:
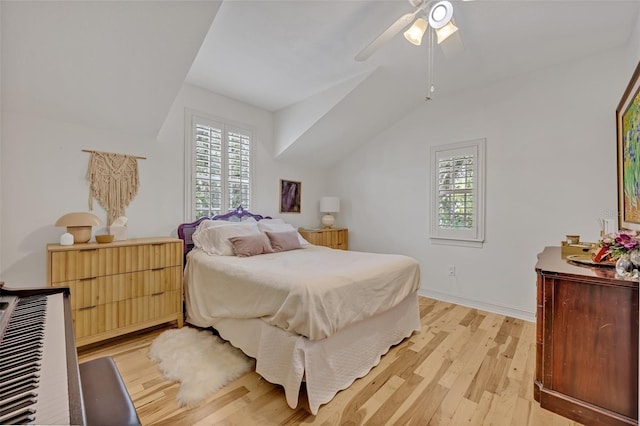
x=251 y=245
x=284 y=241
x=271 y=225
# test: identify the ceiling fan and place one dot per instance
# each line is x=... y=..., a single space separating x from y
x=438 y=24
x=439 y=15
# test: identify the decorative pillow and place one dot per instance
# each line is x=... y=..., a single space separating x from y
x=280 y=227
x=215 y=239
x=251 y=245
x=284 y=241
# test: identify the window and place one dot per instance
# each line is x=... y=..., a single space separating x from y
x=219 y=167
x=457 y=193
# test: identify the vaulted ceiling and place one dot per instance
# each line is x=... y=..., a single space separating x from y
x=120 y=64
x=296 y=58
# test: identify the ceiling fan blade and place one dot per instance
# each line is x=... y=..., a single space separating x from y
x=387 y=35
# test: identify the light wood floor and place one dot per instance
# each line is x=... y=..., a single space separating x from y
x=466 y=367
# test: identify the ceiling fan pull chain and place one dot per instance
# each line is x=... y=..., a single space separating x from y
x=430 y=86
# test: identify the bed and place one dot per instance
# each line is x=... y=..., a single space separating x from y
x=306 y=313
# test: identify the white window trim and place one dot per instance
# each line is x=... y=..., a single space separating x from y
x=190 y=118
x=466 y=238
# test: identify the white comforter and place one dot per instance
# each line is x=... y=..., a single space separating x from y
x=314 y=291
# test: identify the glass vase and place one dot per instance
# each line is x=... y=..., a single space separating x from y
x=624 y=266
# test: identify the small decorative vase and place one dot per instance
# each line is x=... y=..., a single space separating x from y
x=624 y=266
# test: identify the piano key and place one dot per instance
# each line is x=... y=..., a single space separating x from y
x=16 y=406
x=18 y=388
x=30 y=354
x=20 y=377
x=23 y=416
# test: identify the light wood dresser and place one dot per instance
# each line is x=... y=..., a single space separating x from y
x=119 y=287
x=337 y=238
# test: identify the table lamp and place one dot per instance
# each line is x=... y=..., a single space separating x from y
x=329 y=205
x=79 y=225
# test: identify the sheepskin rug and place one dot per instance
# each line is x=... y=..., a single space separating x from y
x=199 y=360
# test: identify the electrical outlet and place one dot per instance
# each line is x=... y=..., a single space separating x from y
x=452 y=271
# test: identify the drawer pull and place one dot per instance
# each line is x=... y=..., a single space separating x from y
x=157 y=269
x=86 y=308
x=88 y=279
x=157 y=294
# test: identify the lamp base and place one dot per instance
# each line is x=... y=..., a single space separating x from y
x=81 y=234
x=328 y=221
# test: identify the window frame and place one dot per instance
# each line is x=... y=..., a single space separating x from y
x=192 y=119
x=474 y=236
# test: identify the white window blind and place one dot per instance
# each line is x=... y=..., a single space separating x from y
x=457 y=193
x=219 y=167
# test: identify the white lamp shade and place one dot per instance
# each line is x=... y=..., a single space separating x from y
x=330 y=204
x=446 y=31
x=416 y=31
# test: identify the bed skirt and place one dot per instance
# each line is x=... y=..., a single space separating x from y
x=327 y=365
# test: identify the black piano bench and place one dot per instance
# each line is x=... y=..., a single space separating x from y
x=106 y=400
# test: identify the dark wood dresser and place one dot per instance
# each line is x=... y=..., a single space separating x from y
x=586 y=342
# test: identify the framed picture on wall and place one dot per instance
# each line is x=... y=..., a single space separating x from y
x=290 y=196
x=628 y=129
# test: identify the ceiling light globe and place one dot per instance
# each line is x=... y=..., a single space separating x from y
x=440 y=14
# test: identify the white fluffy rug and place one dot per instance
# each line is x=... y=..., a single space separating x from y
x=200 y=361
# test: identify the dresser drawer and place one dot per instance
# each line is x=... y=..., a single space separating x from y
x=336 y=238
x=146 y=308
x=73 y=265
x=94 y=320
x=95 y=262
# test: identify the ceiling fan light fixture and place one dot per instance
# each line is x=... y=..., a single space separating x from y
x=445 y=32
x=440 y=14
x=416 y=31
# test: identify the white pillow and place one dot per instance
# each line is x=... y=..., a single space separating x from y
x=211 y=223
x=215 y=239
x=272 y=221
x=280 y=227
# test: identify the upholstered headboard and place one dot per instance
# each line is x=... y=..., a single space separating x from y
x=186 y=230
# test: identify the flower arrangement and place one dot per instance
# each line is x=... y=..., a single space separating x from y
x=614 y=245
x=623 y=249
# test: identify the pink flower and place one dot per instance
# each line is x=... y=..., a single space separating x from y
x=627 y=241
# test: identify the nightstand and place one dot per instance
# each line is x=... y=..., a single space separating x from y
x=337 y=238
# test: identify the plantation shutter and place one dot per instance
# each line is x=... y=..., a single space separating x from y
x=457 y=195
x=455 y=192
x=221 y=178
x=208 y=170
x=239 y=168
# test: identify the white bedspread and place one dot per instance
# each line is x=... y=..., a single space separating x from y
x=314 y=291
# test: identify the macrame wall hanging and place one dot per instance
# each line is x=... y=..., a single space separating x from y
x=113 y=181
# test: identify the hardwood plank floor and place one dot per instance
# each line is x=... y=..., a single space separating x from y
x=466 y=367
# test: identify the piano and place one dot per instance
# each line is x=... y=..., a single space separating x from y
x=39 y=374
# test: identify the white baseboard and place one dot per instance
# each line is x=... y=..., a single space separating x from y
x=479 y=304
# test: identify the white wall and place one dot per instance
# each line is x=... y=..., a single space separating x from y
x=551 y=170
x=44 y=176
x=634 y=45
